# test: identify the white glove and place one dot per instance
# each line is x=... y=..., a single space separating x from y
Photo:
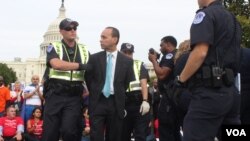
x=144 y=107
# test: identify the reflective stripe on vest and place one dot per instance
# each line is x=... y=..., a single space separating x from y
x=135 y=85
x=66 y=75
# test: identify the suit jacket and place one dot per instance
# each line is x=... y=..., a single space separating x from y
x=95 y=79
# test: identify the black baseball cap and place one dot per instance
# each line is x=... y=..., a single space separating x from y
x=127 y=47
x=67 y=22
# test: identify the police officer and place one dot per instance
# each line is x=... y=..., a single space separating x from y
x=168 y=124
x=211 y=68
x=136 y=102
x=66 y=60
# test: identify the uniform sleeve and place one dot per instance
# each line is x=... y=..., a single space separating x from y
x=168 y=61
x=144 y=72
x=202 y=29
x=51 y=53
x=20 y=125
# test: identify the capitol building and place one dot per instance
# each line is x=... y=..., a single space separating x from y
x=36 y=66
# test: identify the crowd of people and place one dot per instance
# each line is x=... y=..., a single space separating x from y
x=106 y=95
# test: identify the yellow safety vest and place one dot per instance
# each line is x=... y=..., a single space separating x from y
x=75 y=75
x=136 y=85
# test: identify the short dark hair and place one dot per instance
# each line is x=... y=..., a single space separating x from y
x=169 y=39
x=115 y=33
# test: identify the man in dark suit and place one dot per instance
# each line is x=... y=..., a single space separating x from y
x=107 y=82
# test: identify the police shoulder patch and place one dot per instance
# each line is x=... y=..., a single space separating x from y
x=199 y=17
x=49 y=48
x=169 y=56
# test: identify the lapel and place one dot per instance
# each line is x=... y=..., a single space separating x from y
x=103 y=62
x=117 y=65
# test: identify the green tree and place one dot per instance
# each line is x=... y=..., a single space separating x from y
x=8 y=74
x=241 y=8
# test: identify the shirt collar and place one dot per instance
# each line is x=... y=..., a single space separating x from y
x=114 y=54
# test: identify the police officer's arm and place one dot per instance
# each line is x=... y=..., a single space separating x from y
x=161 y=72
x=144 y=89
x=58 y=64
x=144 y=77
x=195 y=60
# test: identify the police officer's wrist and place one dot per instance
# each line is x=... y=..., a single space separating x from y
x=178 y=82
x=145 y=100
x=179 y=79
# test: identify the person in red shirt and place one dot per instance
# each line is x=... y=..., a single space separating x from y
x=86 y=129
x=4 y=96
x=34 y=126
x=11 y=126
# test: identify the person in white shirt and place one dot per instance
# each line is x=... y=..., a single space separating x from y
x=33 y=97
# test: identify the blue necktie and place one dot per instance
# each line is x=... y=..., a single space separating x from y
x=106 y=88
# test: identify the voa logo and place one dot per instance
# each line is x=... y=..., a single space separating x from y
x=236 y=132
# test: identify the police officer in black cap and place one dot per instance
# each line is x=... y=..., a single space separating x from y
x=66 y=60
x=211 y=68
x=136 y=103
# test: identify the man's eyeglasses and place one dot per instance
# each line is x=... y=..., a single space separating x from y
x=70 y=28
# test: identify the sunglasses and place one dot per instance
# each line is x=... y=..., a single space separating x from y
x=70 y=28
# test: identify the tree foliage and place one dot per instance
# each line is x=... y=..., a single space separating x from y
x=241 y=8
x=8 y=74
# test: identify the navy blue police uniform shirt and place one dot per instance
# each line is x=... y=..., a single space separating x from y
x=212 y=25
x=167 y=60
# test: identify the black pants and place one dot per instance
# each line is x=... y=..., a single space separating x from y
x=104 y=120
x=62 y=114
x=208 y=110
x=135 y=123
x=169 y=124
x=29 y=137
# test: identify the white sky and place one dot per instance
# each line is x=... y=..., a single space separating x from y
x=140 y=22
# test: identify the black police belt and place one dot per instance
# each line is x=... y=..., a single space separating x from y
x=214 y=77
x=134 y=96
x=66 y=88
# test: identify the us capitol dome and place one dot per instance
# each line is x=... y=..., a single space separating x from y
x=36 y=66
x=52 y=33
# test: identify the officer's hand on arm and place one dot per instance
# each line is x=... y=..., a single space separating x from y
x=58 y=64
x=144 y=107
x=86 y=67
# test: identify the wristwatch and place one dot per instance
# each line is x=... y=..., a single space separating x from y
x=179 y=80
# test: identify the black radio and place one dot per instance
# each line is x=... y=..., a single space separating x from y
x=217 y=74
